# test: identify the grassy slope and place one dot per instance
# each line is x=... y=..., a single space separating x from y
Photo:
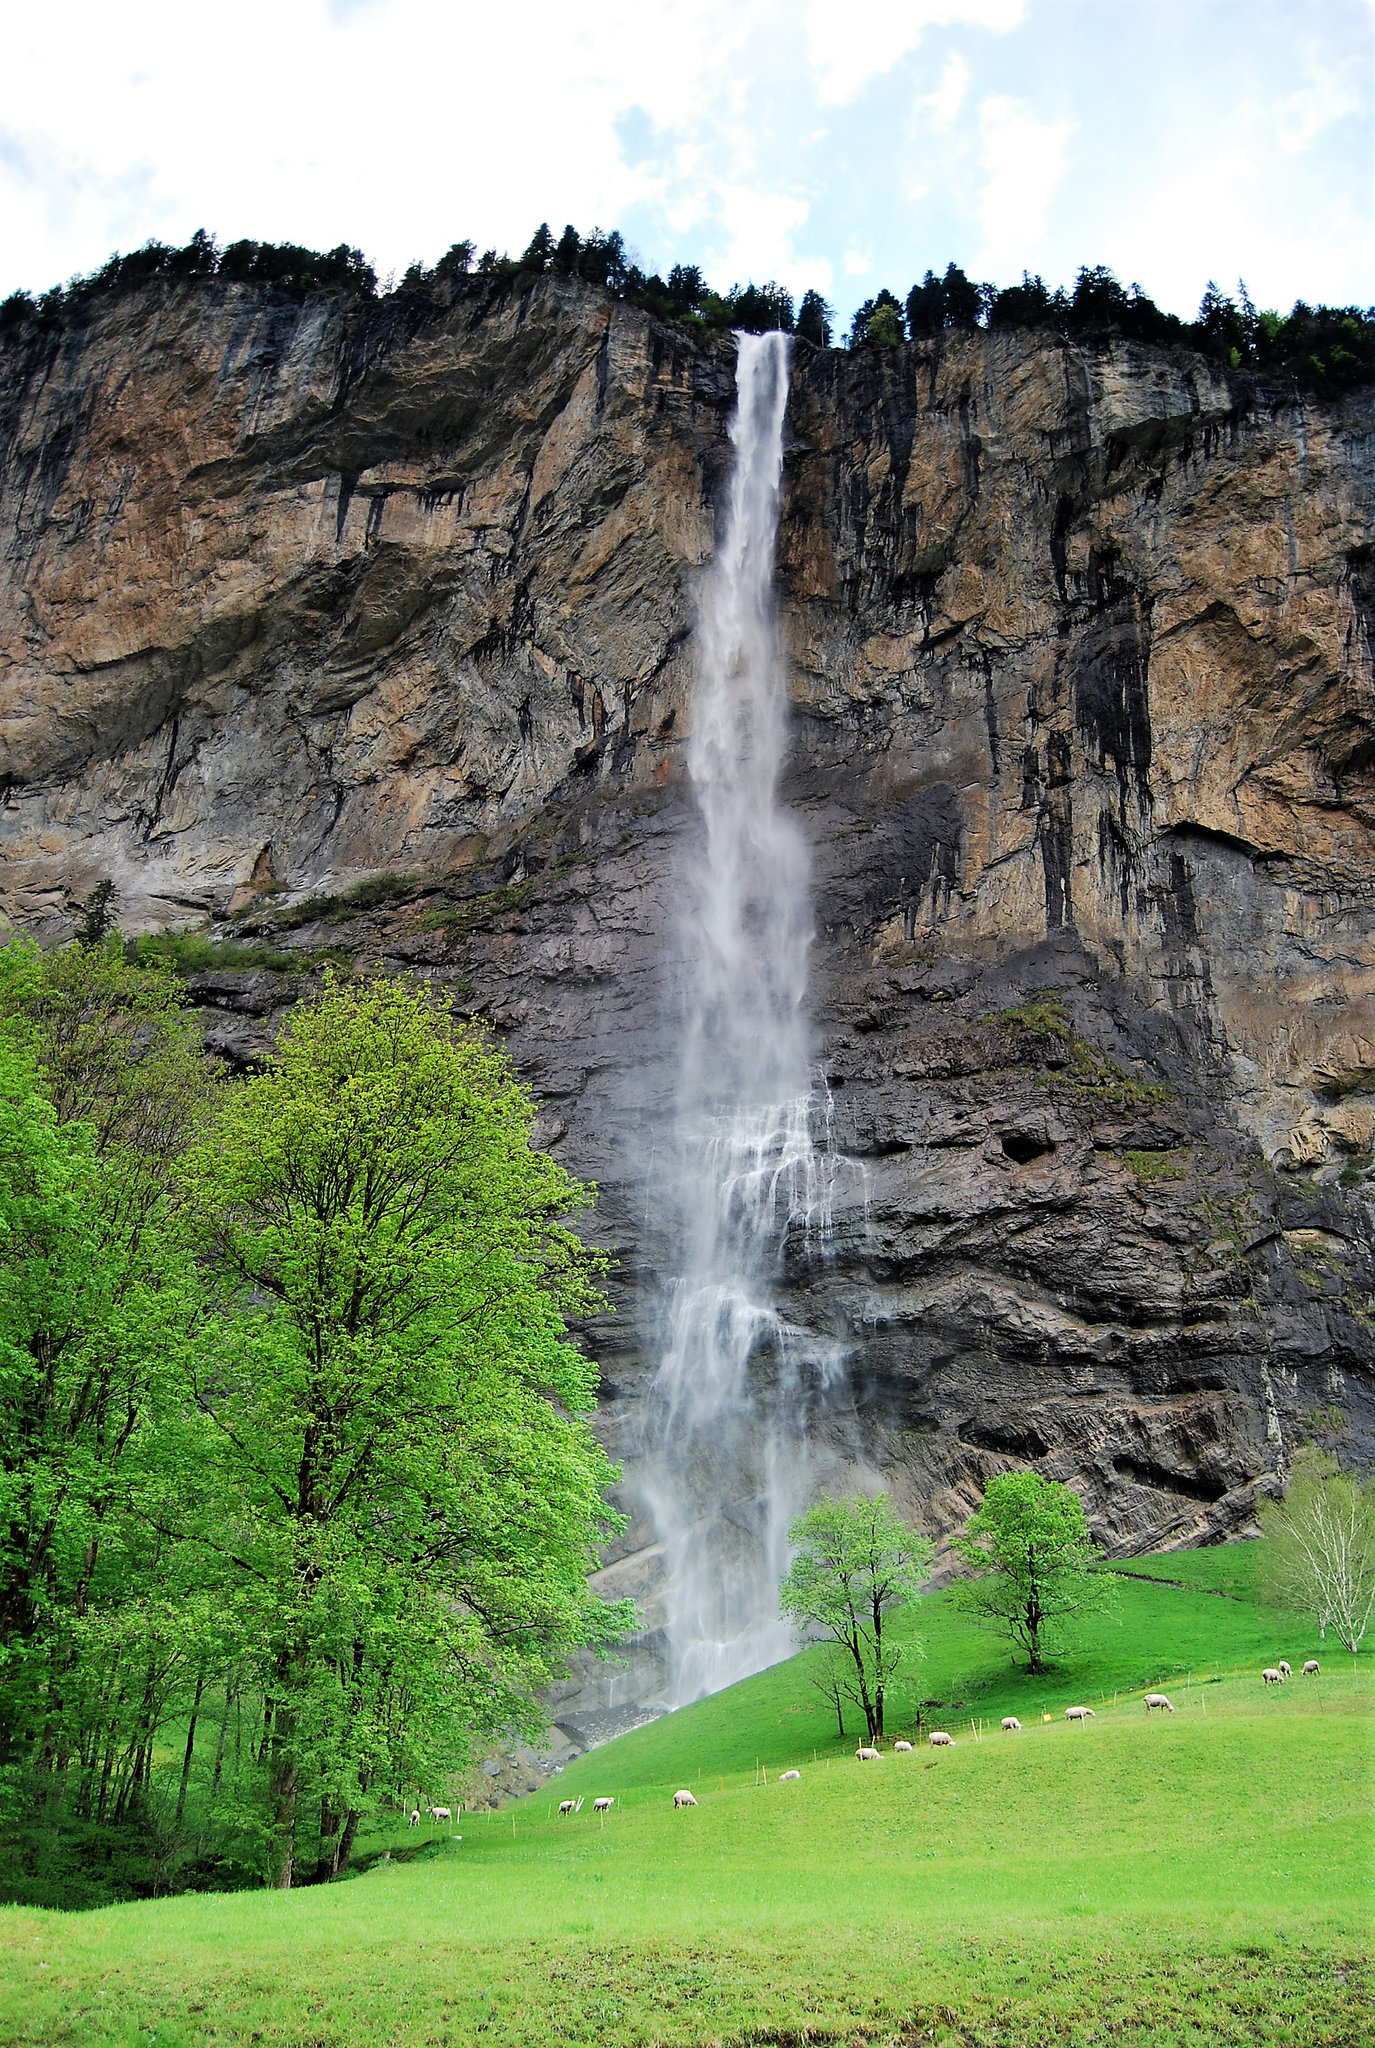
x=1154 y=1636
x=1196 y=1880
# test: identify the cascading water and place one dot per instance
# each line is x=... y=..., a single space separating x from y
x=728 y=1461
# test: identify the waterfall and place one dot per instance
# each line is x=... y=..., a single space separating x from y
x=728 y=1463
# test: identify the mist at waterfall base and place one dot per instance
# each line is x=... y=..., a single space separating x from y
x=730 y=1456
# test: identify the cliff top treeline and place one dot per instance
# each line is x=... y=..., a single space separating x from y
x=1325 y=349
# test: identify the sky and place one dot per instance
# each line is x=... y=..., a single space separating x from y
x=836 y=144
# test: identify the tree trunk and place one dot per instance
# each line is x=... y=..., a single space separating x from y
x=345 y=1847
x=190 y=1749
x=327 y=1861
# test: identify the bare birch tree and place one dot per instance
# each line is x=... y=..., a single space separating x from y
x=1322 y=1547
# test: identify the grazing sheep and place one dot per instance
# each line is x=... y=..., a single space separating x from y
x=1271 y=1676
x=413 y=1819
x=902 y=1749
x=1011 y=1725
x=565 y=1806
x=440 y=1813
x=683 y=1798
x=1310 y=1669
x=1080 y=1714
x=865 y=1755
x=602 y=1805
x=1283 y=1669
x=1157 y=1699
x=938 y=1739
x=789 y=1774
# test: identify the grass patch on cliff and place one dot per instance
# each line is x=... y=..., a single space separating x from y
x=187 y=953
x=375 y=892
x=1148 y=1166
x=1176 y=1882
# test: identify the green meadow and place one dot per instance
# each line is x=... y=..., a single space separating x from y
x=1197 y=1878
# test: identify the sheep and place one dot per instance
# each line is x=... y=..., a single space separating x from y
x=683 y=1798
x=1310 y=1669
x=1011 y=1725
x=565 y=1806
x=938 y=1739
x=865 y=1755
x=440 y=1813
x=1157 y=1699
x=1272 y=1677
x=1283 y=1669
x=902 y=1749
x=1080 y=1714
x=602 y=1805
x=413 y=1819
x=789 y=1774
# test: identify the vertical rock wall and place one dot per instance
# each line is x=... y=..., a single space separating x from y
x=369 y=626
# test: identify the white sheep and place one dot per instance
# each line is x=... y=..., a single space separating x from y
x=440 y=1813
x=1011 y=1725
x=1080 y=1714
x=683 y=1798
x=1310 y=1669
x=865 y=1755
x=565 y=1806
x=902 y=1749
x=938 y=1739
x=413 y=1819
x=789 y=1774
x=1283 y=1669
x=602 y=1805
x=1157 y=1699
x=1271 y=1676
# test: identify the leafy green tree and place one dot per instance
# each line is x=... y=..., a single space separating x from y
x=419 y=1501
x=878 y=320
x=1033 y=1565
x=855 y=1561
x=1321 y=1554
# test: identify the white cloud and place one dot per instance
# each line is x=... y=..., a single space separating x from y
x=941 y=107
x=1329 y=96
x=853 y=42
x=858 y=263
x=1023 y=160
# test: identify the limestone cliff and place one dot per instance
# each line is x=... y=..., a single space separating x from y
x=303 y=597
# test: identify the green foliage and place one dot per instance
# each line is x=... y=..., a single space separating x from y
x=878 y=320
x=1038 y=1013
x=940 y=302
x=184 y=953
x=1325 y=349
x=398 y=1406
x=1149 y=1166
x=855 y=1561
x=814 y=320
x=1016 y=1905
x=375 y=892
x=1320 y=1555
x=1033 y=1564
x=292 y=1456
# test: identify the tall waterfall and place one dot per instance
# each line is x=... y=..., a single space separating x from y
x=728 y=1463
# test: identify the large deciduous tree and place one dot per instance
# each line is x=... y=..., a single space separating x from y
x=855 y=1561
x=1321 y=1553
x=399 y=1411
x=1032 y=1563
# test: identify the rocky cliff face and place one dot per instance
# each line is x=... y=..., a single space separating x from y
x=369 y=626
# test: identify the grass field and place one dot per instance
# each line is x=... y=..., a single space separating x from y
x=1195 y=1880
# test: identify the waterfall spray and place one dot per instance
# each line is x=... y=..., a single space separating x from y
x=728 y=1461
